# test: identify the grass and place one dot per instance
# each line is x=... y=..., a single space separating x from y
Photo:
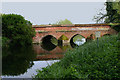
x=88 y=61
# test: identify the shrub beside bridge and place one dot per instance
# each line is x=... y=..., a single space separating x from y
x=88 y=61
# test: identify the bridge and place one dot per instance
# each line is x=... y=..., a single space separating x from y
x=70 y=31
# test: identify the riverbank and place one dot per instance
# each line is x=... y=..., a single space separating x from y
x=88 y=61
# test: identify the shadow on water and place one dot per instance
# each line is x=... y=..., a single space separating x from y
x=16 y=61
x=47 y=43
x=48 y=46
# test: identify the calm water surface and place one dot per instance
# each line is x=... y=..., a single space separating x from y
x=23 y=62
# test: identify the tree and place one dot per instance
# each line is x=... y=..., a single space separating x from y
x=112 y=15
x=116 y=5
x=64 y=22
x=18 y=30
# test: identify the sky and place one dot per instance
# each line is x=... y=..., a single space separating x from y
x=51 y=12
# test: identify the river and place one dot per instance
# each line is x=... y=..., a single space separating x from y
x=23 y=62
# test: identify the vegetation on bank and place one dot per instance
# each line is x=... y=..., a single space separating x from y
x=88 y=61
x=16 y=30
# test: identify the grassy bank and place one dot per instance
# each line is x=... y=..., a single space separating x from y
x=88 y=61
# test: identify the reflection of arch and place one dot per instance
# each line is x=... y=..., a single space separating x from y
x=106 y=34
x=49 y=42
x=79 y=38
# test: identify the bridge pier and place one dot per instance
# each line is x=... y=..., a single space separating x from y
x=63 y=42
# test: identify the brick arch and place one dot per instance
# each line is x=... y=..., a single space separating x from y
x=70 y=35
x=74 y=36
x=106 y=34
x=46 y=36
x=39 y=36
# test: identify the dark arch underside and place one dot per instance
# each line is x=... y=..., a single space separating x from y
x=47 y=43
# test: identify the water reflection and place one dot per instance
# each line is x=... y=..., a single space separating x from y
x=48 y=46
x=47 y=50
x=49 y=42
x=16 y=61
x=44 y=54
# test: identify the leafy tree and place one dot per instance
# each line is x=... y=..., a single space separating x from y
x=66 y=21
x=18 y=30
x=112 y=15
x=116 y=5
x=113 y=12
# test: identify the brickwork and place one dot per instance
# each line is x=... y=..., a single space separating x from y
x=70 y=31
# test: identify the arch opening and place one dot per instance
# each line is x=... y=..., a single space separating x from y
x=77 y=40
x=106 y=34
x=49 y=42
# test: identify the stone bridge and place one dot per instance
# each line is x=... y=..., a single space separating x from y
x=85 y=30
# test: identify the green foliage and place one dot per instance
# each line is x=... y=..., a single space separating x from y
x=113 y=13
x=0 y=41
x=5 y=41
x=16 y=60
x=88 y=61
x=64 y=22
x=17 y=29
x=116 y=5
x=63 y=37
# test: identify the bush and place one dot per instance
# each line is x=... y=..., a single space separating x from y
x=18 y=30
x=5 y=41
x=88 y=61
